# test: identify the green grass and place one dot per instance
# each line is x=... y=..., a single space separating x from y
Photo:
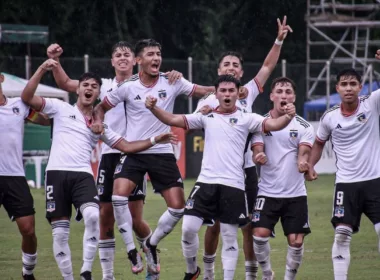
x=316 y=264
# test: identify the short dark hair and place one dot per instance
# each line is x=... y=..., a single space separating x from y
x=89 y=75
x=145 y=43
x=231 y=53
x=349 y=72
x=283 y=80
x=226 y=79
x=122 y=45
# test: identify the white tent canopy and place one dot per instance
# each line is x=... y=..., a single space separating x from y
x=13 y=86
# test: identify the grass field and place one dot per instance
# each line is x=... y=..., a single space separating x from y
x=316 y=265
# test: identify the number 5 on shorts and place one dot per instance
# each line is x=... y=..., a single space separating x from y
x=339 y=198
x=49 y=192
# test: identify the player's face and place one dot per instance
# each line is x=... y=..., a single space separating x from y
x=282 y=94
x=227 y=94
x=123 y=60
x=88 y=91
x=230 y=65
x=150 y=60
x=348 y=88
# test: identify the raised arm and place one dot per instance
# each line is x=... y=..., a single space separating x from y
x=27 y=94
x=164 y=116
x=281 y=122
x=201 y=91
x=63 y=81
x=270 y=61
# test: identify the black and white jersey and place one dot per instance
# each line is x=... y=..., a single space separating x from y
x=355 y=139
x=142 y=124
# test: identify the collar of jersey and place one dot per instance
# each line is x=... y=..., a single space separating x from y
x=349 y=114
x=88 y=120
x=5 y=102
x=151 y=85
x=215 y=111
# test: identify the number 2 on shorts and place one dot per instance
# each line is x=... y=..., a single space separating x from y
x=49 y=192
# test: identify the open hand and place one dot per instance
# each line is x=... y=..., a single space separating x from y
x=205 y=110
x=166 y=138
x=173 y=76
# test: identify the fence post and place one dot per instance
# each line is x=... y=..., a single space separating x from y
x=190 y=78
x=327 y=84
x=283 y=67
x=27 y=67
x=370 y=68
x=86 y=58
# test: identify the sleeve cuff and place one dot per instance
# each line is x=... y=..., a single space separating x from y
x=193 y=90
x=117 y=142
x=257 y=144
x=186 y=122
x=320 y=140
x=305 y=144
x=263 y=125
x=42 y=106
x=108 y=102
x=261 y=90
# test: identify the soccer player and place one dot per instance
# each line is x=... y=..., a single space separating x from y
x=69 y=178
x=283 y=156
x=123 y=60
x=232 y=63
x=15 y=194
x=219 y=192
x=353 y=129
x=158 y=162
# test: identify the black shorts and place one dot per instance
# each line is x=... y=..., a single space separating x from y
x=16 y=197
x=251 y=186
x=353 y=199
x=105 y=179
x=217 y=202
x=161 y=168
x=66 y=188
x=292 y=211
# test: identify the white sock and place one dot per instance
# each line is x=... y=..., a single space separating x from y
x=293 y=262
x=262 y=251
x=29 y=261
x=124 y=220
x=341 y=252
x=209 y=266
x=251 y=268
x=91 y=234
x=61 y=249
x=190 y=241
x=107 y=256
x=141 y=240
x=166 y=224
x=377 y=229
x=230 y=249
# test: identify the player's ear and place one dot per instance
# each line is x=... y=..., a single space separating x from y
x=138 y=60
x=241 y=74
x=271 y=95
x=1 y=78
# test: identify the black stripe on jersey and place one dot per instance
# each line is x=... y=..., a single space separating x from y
x=246 y=146
x=302 y=121
x=330 y=110
x=363 y=98
x=131 y=79
x=267 y=115
x=163 y=75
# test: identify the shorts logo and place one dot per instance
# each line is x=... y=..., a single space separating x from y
x=241 y=216
x=162 y=94
x=362 y=118
x=189 y=204
x=293 y=133
x=256 y=217
x=118 y=168
x=233 y=121
x=243 y=102
x=339 y=212
x=140 y=192
x=50 y=206
x=16 y=110
x=100 y=189
x=306 y=225
x=180 y=180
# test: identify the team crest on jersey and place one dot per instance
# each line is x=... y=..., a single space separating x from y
x=293 y=133
x=50 y=206
x=243 y=102
x=100 y=189
x=16 y=110
x=362 y=118
x=118 y=168
x=233 y=121
x=256 y=217
x=339 y=212
x=162 y=94
x=189 y=204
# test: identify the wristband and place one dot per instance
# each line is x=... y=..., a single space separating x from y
x=152 y=141
x=278 y=42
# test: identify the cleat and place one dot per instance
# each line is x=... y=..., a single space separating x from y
x=152 y=259
x=86 y=275
x=192 y=276
x=151 y=276
x=28 y=276
x=136 y=261
x=268 y=277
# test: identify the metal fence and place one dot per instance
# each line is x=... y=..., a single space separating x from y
x=199 y=72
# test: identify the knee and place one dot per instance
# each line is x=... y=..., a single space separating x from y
x=188 y=230
x=91 y=217
x=229 y=233
x=214 y=230
x=295 y=243
x=342 y=238
x=28 y=231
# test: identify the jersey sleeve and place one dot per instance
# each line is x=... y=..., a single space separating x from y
x=254 y=89
x=209 y=100
x=375 y=100
x=308 y=137
x=257 y=139
x=194 y=121
x=117 y=95
x=183 y=86
x=51 y=106
x=256 y=123
x=323 y=132
x=110 y=137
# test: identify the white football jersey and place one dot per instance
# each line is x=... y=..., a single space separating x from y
x=73 y=140
x=355 y=139
x=115 y=118
x=225 y=140
x=254 y=89
x=12 y=115
x=142 y=124
x=279 y=177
